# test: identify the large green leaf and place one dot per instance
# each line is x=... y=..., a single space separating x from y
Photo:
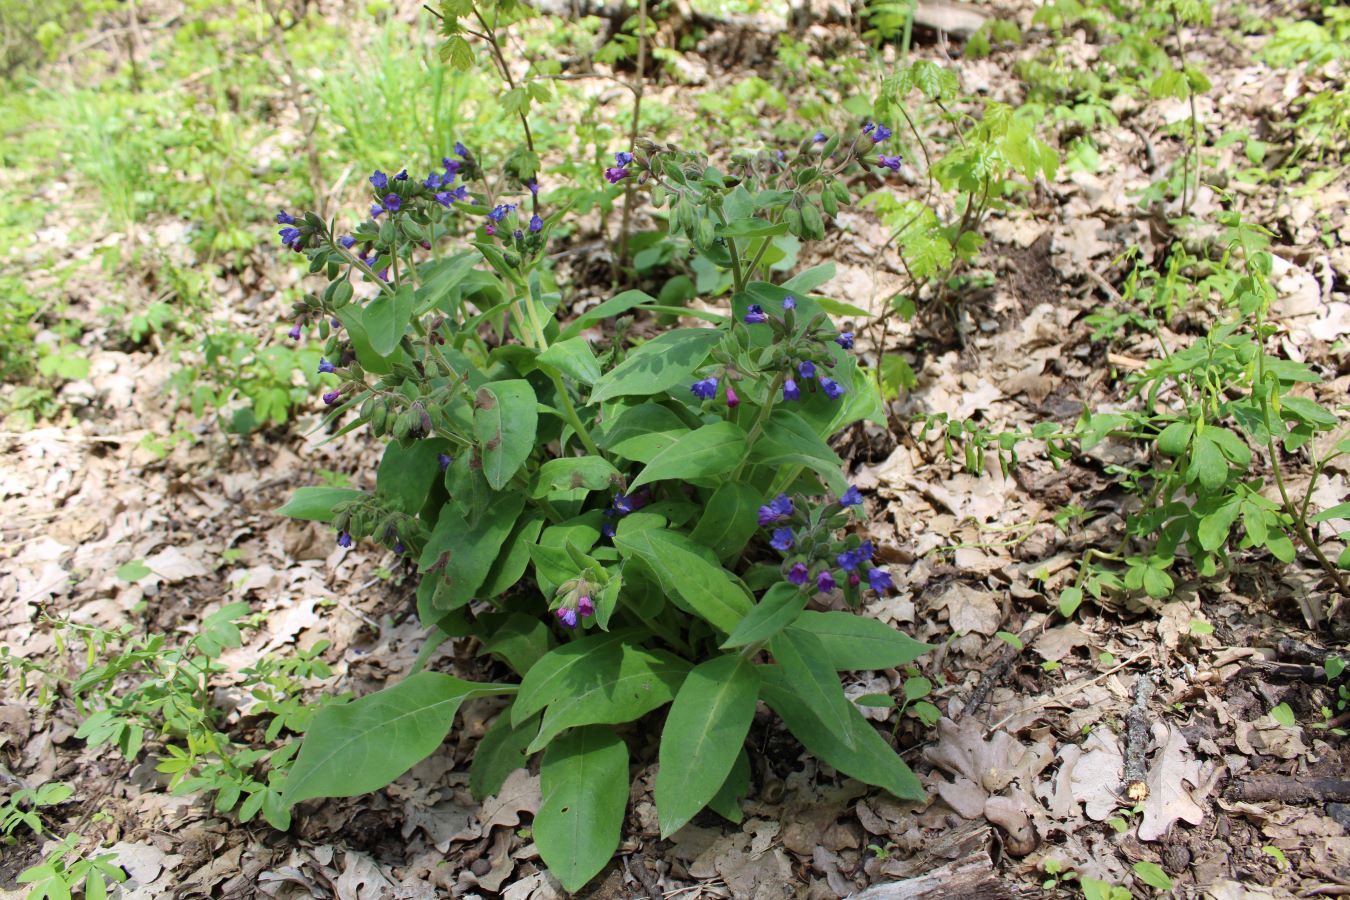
x=870 y=759
x=594 y=473
x=406 y=474
x=357 y=747
x=729 y=520
x=386 y=318
x=806 y=667
x=775 y=611
x=505 y=418
x=584 y=781
x=614 y=306
x=463 y=553
x=546 y=680
x=788 y=439
x=855 y=642
x=573 y=358
x=439 y=279
x=710 y=450
x=612 y=691
x=351 y=318
x=703 y=734
x=659 y=364
x=684 y=571
x=315 y=504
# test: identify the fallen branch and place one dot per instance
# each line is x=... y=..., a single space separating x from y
x=1137 y=734
x=1290 y=789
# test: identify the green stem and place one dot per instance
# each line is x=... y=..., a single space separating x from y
x=573 y=419
x=760 y=419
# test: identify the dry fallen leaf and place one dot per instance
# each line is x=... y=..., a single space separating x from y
x=1171 y=778
x=1096 y=774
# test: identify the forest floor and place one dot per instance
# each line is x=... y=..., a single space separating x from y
x=1025 y=768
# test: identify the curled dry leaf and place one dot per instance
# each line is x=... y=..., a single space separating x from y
x=1171 y=780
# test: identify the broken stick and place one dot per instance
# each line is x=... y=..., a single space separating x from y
x=1137 y=733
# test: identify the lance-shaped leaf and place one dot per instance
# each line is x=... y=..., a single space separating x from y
x=315 y=504
x=854 y=642
x=547 y=679
x=659 y=364
x=357 y=747
x=685 y=572
x=584 y=782
x=805 y=666
x=505 y=418
x=710 y=450
x=702 y=737
x=777 y=609
x=593 y=473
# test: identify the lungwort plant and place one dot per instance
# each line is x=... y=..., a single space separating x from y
x=625 y=527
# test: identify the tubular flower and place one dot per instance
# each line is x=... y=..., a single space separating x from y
x=789 y=302
x=443 y=461
x=379 y=180
x=567 y=616
x=776 y=510
x=501 y=210
x=294 y=333
x=754 y=315
x=705 y=389
x=806 y=369
x=791 y=391
x=844 y=339
x=890 y=162
x=326 y=366
x=536 y=224
x=585 y=606
x=880 y=580
x=850 y=497
x=880 y=134
x=733 y=399
x=832 y=388
x=285 y=218
x=615 y=174
x=825 y=582
x=782 y=539
x=347 y=241
x=798 y=574
x=344 y=540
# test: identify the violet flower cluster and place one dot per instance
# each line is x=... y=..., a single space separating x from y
x=811 y=553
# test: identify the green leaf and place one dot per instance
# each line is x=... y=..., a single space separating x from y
x=518 y=639
x=573 y=358
x=1308 y=411
x=683 y=570
x=1212 y=532
x=806 y=666
x=594 y=473
x=729 y=519
x=710 y=450
x=386 y=318
x=505 y=418
x=584 y=781
x=499 y=753
x=775 y=611
x=406 y=474
x=1339 y=511
x=357 y=747
x=509 y=566
x=612 y=692
x=702 y=737
x=1175 y=438
x=751 y=227
x=840 y=308
x=727 y=802
x=315 y=504
x=855 y=642
x=546 y=679
x=870 y=759
x=658 y=365
x=134 y=570
x=1283 y=714
x=352 y=319
x=458 y=53
x=1207 y=464
x=1069 y=600
x=1152 y=875
x=463 y=553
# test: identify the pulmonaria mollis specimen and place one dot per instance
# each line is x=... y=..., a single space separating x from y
x=651 y=521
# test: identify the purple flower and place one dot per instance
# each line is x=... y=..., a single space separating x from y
x=490 y=229
x=294 y=333
x=705 y=389
x=392 y=202
x=379 y=180
x=443 y=461
x=791 y=391
x=567 y=616
x=608 y=530
x=399 y=548
x=825 y=582
x=433 y=181
x=777 y=509
x=733 y=400
x=754 y=315
x=344 y=540
x=383 y=274
x=461 y=193
x=461 y=150
x=806 y=369
x=845 y=339
x=533 y=185
x=518 y=234
x=867 y=129
x=615 y=174
x=781 y=156
x=628 y=503
x=865 y=550
x=623 y=157
x=375 y=210
x=832 y=388
x=290 y=237
x=890 y=162
x=452 y=166
x=285 y=218
x=331 y=397
x=881 y=134
x=335 y=322
x=819 y=138
x=536 y=224
x=789 y=302
x=500 y=211
x=850 y=497
x=782 y=539
x=585 y=606
x=347 y=241
x=880 y=580
x=798 y=574
x=853 y=579
x=402 y=176
x=848 y=560
x=326 y=366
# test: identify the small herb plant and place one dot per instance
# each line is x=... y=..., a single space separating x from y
x=624 y=527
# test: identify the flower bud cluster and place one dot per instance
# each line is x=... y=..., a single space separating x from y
x=814 y=559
